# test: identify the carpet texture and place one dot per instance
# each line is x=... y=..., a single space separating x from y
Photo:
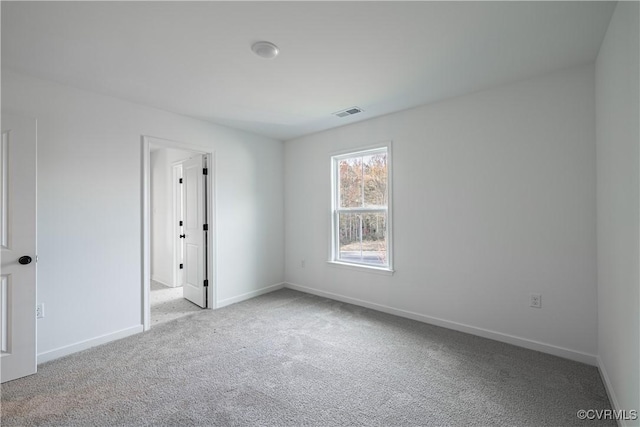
x=292 y=359
x=168 y=303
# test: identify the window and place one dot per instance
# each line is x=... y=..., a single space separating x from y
x=361 y=214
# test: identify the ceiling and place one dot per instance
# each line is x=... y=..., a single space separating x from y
x=194 y=58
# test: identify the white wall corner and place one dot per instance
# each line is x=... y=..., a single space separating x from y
x=249 y=295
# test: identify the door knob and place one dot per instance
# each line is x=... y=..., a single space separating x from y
x=24 y=260
x=182 y=236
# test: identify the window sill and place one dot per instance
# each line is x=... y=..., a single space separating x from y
x=364 y=268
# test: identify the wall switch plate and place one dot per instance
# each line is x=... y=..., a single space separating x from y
x=535 y=300
x=303 y=263
x=39 y=311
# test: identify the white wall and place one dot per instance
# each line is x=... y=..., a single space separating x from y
x=618 y=171
x=163 y=229
x=494 y=199
x=89 y=202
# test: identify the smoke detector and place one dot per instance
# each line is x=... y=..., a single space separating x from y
x=348 y=112
x=265 y=50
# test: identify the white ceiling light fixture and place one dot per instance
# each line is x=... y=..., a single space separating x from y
x=265 y=50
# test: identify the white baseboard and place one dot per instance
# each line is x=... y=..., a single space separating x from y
x=248 y=295
x=566 y=353
x=161 y=281
x=610 y=391
x=83 y=345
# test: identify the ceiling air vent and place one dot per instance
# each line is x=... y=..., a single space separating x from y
x=348 y=112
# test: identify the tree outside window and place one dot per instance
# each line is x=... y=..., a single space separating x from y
x=361 y=208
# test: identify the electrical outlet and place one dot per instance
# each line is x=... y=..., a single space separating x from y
x=303 y=263
x=39 y=311
x=535 y=300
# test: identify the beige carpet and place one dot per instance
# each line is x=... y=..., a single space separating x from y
x=292 y=359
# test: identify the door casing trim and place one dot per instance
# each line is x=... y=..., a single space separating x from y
x=146 y=142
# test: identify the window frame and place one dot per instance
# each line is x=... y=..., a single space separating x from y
x=334 y=250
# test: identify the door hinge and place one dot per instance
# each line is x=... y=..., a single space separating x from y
x=181 y=266
x=180 y=181
x=205 y=171
x=206 y=283
x=205 y=227
x=181 y=223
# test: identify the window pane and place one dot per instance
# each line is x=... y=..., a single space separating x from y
x=363 y=238
x=349 y=233
x=350 y=182
x=374 y=239
x=375 y=179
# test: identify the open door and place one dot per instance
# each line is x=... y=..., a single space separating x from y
x=194 y=173
x=18 y=241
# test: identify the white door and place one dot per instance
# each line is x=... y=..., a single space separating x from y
x=18 y=241
x=194 y=234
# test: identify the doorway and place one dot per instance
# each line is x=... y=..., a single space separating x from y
x=178 y=232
